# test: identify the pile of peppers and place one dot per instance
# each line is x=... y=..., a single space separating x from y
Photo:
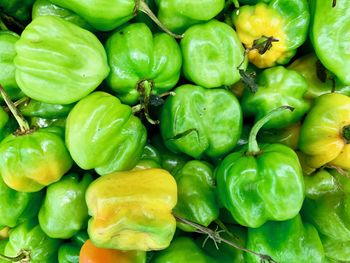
x=171 y=131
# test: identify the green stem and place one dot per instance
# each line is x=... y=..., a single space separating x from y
x=346 y=133
x=23 y=256
x=236 y=3
x=253 y=147
x=23 y=124
x=143 y=7
x=3 y=26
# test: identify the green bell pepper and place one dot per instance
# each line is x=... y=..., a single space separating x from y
x=19 y=9
x=142 y=64
x=211 y=54
x=99 y=125
x=329 y=33
x=260 y=184
x=59 y=62
x=180 y=15
x=335 y=249
x=277 y=86
x=201 y=122
x=196 y=194
x=64 y=211
x=291 y=241
x=35 y=108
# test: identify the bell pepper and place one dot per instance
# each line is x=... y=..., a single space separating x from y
x=180 y=15
x=196 y=194
x=291 y=241
x=29 y=238
x=19 y=9
x=35 y=108
x=141 y=63
x=336 y=250
x=99 y=125
x=8 y=40
x=329 y=34
x=59 y=62
x=319 y=80
x=212 y=53
x=201 y=122
x=150 y=158
x=325 y=134
x=277 y=86
x=261 y=184
x=281 y=24
x=64 y=211
x=132 y=210
x=69 y=252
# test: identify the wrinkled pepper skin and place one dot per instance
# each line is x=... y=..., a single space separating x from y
x=181 y=14
x=291 y=241
x=196 y=194
x=16 y=207
x=325 y=133
x=136 y=56
x=59 y=62
x=211 y=54
x=277 y=86
x=40 y=109
x=182 y=249
x=132 y=210
x=285 y=20
x=31 y=161
x=319 y=81
x=19 y=9
x=201 y=122
x=329 y=34
x=29 y=237
x=100 y=126
x=64 y=211
x=8 y=40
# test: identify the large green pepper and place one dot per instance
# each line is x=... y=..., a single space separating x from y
x=64 y=211
x=329 y=35
x=180 y=15
x=290 y=241
x=99 y=125
x=261 y=184
x=59 y=62
x=277 y=87
x=196 y=194
x=142 y=64
x=211 y=54
x=19 y=9
x=201 y=122
x=29 y=237
x=281 y=24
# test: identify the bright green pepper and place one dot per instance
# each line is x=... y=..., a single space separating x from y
x=291 y=241
x=142 y=64
x=335 y=249
x=277 y=87
x=329 y=35
x=64 y=211
x=196 y=194
x=19 y=9
x=201 y=122
x=211 y=54
x=58 y=62
x=180 y=15
x=35 y=108
x=30 y=238
x=99 y=125
x=261 y=184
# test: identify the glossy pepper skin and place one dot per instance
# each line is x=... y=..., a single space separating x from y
x=142 y=63
x=211 y=54
x=35 y=108
x=261 y=184
x=59 y=62
x=201 y=122
x=277 y=86
x=103 y=134
x=150 y=158
x=29 y=237
x=69 y=252
x=181 y=14
x=329 y=34
x=196 y=194
x=19 y=9
x=132 y=210
x=325 y=134
x=284 y=20
x=290 y=241
x=64 y=211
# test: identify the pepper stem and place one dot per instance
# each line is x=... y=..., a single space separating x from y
x=143 y=7
x=346 y=133
x=3 y=26
x=23 y=124
x=253 y=147
x=23 y=257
